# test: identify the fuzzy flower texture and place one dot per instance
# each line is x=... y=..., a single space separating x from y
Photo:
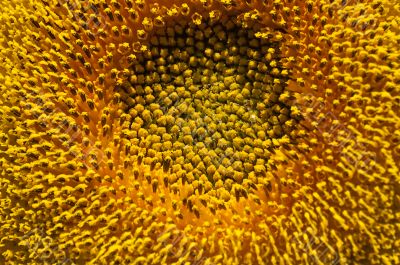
x=200 y=132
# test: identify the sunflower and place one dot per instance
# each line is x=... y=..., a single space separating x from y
x=199 y=132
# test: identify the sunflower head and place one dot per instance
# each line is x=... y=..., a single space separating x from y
x=199 y=132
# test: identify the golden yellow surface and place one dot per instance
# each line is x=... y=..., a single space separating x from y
x=199 y=132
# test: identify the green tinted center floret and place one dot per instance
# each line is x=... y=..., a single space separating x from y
x=209 y=99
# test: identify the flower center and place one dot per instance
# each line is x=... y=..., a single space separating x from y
x=208 y=102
